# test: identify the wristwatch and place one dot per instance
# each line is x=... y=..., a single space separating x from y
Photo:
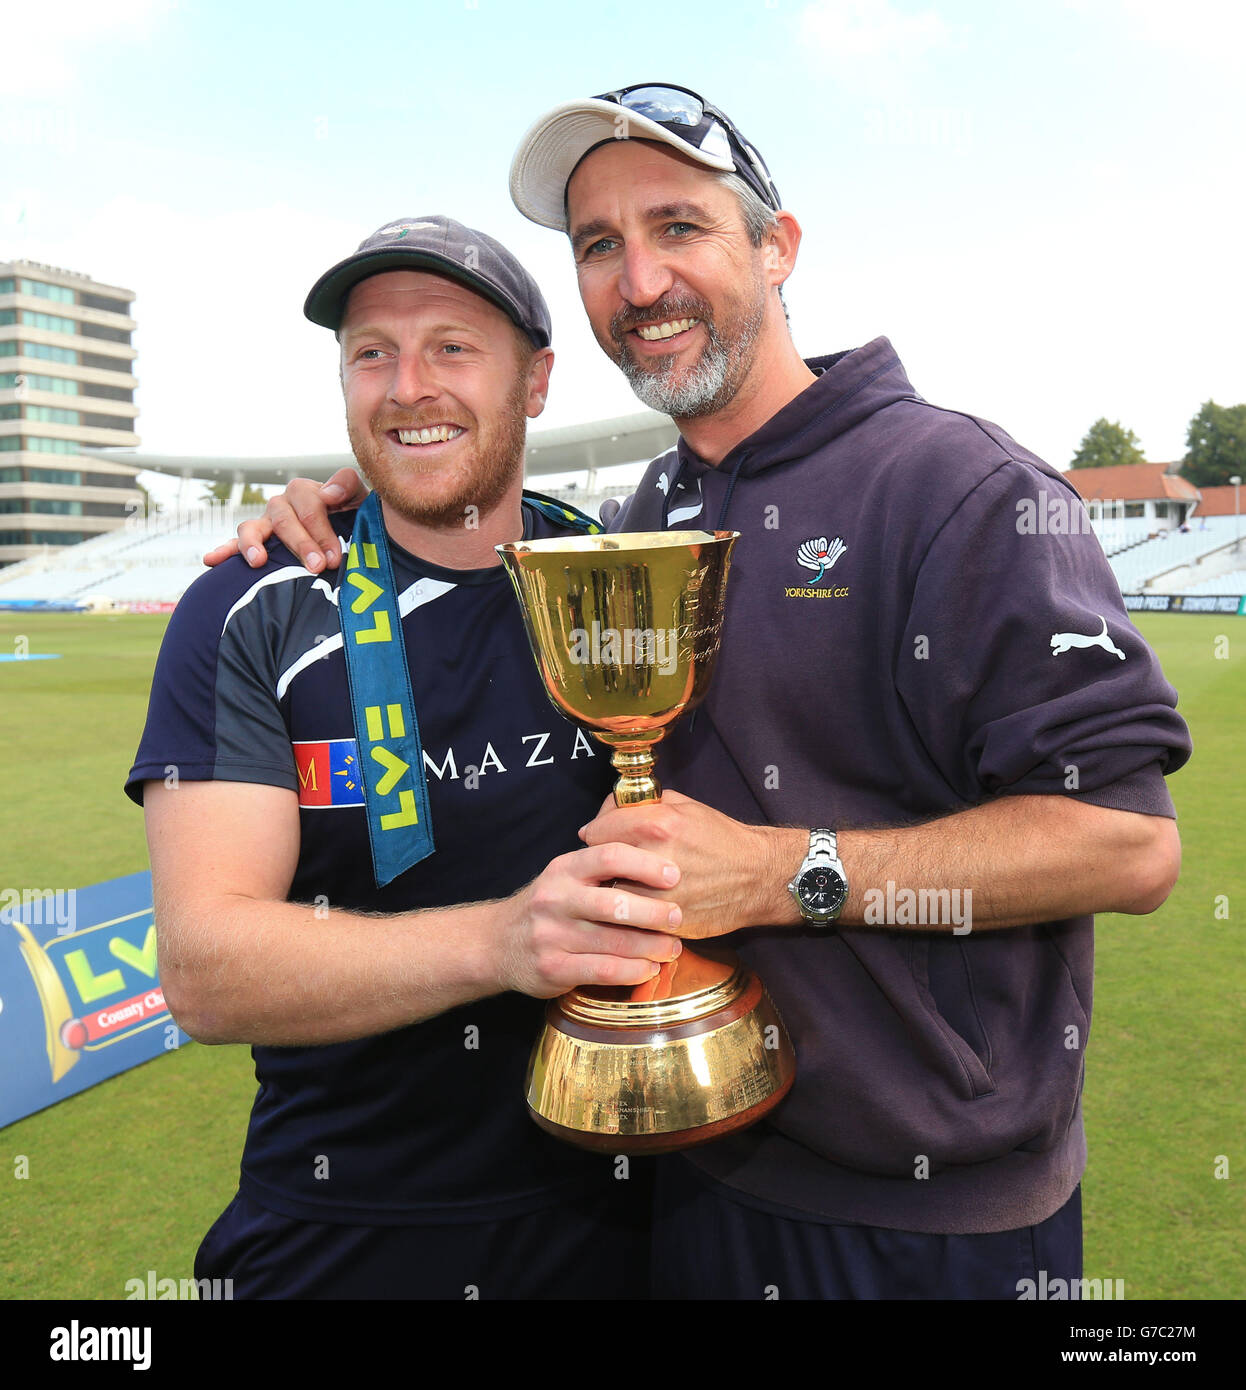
x=820 y=887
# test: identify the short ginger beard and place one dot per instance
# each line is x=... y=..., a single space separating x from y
x=713 y=380
x=498 y=457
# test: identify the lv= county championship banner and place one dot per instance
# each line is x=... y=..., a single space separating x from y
x=80 y=999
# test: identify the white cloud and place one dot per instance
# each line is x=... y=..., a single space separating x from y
x=852 y=30
x=1211 y=29
x=1045 y=325
x=42 y=53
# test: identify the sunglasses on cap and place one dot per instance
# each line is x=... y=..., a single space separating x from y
x=694 y=121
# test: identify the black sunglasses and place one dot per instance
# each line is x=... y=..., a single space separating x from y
x=690 y=117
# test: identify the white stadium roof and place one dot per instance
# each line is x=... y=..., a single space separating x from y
x=573 y=448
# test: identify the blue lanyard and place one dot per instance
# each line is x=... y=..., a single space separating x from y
x=391 y=757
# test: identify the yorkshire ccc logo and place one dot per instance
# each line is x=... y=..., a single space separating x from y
x=820 y=555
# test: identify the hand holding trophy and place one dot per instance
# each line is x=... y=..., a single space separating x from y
x=625 y=630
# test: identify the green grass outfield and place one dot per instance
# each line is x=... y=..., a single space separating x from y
x=125 y=1178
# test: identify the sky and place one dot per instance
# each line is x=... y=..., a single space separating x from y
x=1040 y=204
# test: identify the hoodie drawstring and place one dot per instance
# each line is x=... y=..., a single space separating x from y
x=735 y=473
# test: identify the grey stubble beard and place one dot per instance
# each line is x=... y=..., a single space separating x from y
x=711 y=383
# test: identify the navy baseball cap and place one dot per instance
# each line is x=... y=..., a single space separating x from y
x=446 y=247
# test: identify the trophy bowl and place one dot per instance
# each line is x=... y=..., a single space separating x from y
x=625 y=630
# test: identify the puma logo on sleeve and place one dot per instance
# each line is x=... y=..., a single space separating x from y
x=1062 y=641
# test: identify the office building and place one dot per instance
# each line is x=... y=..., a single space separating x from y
x=66 y=380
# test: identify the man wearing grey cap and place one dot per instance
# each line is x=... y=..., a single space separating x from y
x=331 y=774
x=896 y=768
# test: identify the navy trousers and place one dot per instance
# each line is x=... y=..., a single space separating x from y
x=667 y=1232
x=710 y=1244
x=588 y=1247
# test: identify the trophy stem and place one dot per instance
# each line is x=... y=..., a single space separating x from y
x=636 y=785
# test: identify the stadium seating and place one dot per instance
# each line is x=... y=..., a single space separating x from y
x=47 y=585
x=150 y=560
x=156 y=559
x=1140 y=563
x=1234 y=583
x=1116 y=536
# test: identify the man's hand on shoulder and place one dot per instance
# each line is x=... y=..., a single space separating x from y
x=299 y=518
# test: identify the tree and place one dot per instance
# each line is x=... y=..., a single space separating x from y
x=1106 y=444
x=219 y=492
x=1215 y=445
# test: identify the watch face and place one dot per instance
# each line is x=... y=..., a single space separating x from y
x=821 y=889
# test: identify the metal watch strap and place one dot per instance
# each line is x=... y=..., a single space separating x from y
x=821 y=847
x=823 y=853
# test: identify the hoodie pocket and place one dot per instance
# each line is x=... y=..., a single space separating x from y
x=944 y=981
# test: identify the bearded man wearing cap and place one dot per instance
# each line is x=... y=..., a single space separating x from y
x=898 y=768
x=330 y=774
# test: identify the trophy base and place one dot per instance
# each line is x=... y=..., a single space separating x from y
x=694 y=1054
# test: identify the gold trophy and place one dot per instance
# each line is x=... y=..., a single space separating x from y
x=625 y=630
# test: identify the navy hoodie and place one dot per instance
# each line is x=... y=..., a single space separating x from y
x=894 y=650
